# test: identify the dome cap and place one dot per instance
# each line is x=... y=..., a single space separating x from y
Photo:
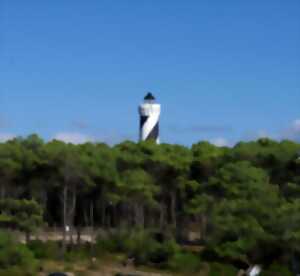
x=149 y=97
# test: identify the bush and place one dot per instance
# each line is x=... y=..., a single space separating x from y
x=14 y=255
x=164 y=252
x=112 y=243
x=16 y=271
x=218 y=269
x=277 y=270
x=139 y=245
x=51 y=250
x=184 y=262
x=44 y=250
x=142 y=247
x=78 y=252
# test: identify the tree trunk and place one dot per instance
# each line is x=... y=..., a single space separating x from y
x=64 y=202
x=71 y=213
x=139 y=215
x=173 y=210
x=92 y=219
x=85 y=218
x=3 y=191
x=203 y=221
x=124 y=216
x=103 y=213
x=162 y=217
x=78 y=235
x=27 y=237
x=92 y=226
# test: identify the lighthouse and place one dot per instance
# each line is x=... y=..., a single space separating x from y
x=149 y=112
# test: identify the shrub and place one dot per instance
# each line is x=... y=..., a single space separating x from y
x=277 y=270
x=16 y=271
x=142 y=247
x=139 y=245
x=218 y=269
x=112 y=243
x=44 y=250
x=164 y=252
x=184 y=262
x=14 y=255
x=78 y=252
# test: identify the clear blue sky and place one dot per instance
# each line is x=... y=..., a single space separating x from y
x=222 y=70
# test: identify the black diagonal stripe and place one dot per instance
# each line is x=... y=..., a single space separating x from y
x=153 y=135
x=143 y=121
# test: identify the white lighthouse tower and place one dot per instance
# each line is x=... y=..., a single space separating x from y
x=149 y=112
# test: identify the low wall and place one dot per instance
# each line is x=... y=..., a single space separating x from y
x=56 y=234
x=87 y=234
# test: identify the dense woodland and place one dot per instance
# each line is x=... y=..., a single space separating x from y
x=245 y=200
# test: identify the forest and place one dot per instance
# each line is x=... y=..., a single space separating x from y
x=244 y=200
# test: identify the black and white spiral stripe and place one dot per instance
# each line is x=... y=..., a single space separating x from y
x=149 y=128
x=149 y=120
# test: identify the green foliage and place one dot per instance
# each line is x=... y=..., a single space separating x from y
x=184 y=263
x=78 y=253
x=142 y=247
x=241 y=214
x=277 y=270
x=14 y=255
x=244 y=200
x=16 y=271
x=44 y=250
x=139 y=245
x=139 y=187
x=218 y=269
x=24 y=215
x=113 y=242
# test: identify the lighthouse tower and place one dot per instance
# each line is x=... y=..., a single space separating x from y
x=149 y=112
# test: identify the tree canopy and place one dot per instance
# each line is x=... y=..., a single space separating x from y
x=243 y=199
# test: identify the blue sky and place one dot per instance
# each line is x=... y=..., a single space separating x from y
x=223 y=71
